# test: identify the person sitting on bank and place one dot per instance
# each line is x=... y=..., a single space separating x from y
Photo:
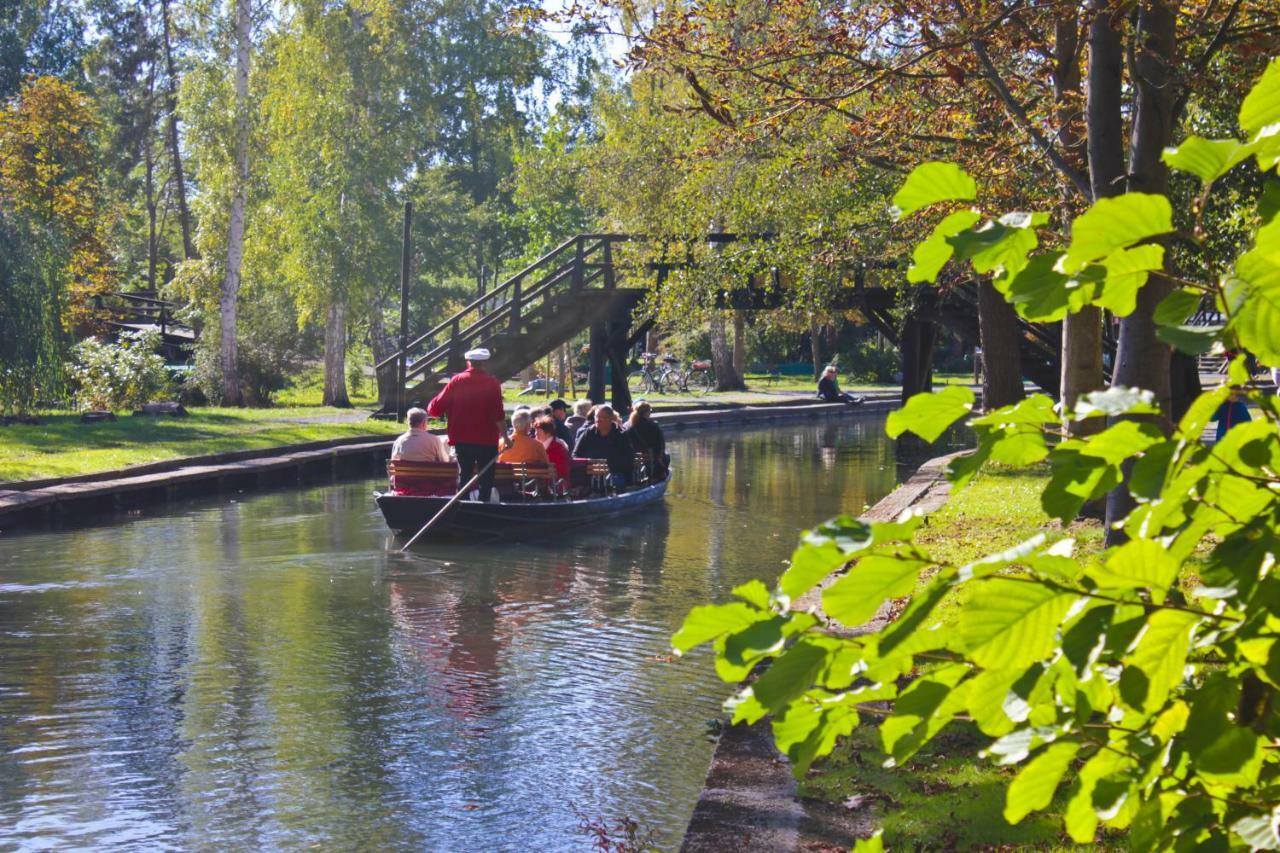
x=646 y=437
x=578 y=419
x=472 y=401
x=1233 y=412
x=603 y=440
x=560 y=412
x=557 y=450
x=829 y=390
x=523 y=448
x=528 y=419
x=418 y=444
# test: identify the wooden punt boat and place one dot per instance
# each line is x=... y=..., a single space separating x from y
x=407 y=513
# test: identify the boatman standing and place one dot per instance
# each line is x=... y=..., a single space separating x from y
x=472 y=402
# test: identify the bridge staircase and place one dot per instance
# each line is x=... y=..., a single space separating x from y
x=527 y=317
x=144 y=310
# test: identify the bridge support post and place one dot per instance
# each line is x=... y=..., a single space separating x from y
x=597 y=356
x=918 y=337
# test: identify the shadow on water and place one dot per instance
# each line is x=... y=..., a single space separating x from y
x=270 y=673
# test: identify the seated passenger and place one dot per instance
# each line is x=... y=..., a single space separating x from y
x=557 y=450
x=419 y=445
x=604 y=440
x=646 y=437
x=830 y=391
x=578 y=419
x=523 y=447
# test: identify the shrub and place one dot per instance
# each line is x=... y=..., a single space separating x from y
x=120 y=375
x=865 y=363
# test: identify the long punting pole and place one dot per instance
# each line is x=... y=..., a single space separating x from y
x=445 y=509
x=406 y=260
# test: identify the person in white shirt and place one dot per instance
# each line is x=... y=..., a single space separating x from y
x=419 y=445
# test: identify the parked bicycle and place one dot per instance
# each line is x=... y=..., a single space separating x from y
x=650 y=378
x=698 y=378
x=670 y=377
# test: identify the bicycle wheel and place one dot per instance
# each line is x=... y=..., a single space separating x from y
x=702 y=380
x=670 y=382
x=639 y=381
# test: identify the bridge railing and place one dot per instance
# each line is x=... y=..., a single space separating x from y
x=578 y=262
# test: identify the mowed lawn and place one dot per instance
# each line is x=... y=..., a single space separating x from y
x=63 y=446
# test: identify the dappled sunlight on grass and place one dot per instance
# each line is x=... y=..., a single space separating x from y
x=63 y=446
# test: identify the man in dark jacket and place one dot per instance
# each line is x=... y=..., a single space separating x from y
x=560 y=411
x=605 y=441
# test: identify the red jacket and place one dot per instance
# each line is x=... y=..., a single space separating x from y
x=472 y=401
x=558 y=455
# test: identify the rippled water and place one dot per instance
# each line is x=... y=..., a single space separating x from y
x=265 y=672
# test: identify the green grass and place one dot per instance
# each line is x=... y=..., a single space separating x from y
x=944 y=798
x=307 y=389
x=948 y=797
x=62 y=446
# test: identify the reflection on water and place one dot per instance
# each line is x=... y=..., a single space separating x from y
x=268 y=672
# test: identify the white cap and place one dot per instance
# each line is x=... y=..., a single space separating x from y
x=477 y=354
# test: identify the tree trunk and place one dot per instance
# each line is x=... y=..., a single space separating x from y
x=383 y=345
x=727 y=379
x=815 y=350
x=231 y=395
x=1142 y=360
x=740 y=344
x=1081 y=355
x=918 y=339
x=1001 y=356
x=175 y=150
x=335 y=356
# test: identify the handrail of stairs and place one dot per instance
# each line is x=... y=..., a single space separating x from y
x=480 y=301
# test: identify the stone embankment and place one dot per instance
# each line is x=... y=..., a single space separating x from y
x=34 y=502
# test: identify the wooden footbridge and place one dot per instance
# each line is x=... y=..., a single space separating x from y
x=580 y=286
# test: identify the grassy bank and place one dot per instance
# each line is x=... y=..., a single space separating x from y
x=947 y=797
x=62 y=446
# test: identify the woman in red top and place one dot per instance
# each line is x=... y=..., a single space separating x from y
x=557 y=450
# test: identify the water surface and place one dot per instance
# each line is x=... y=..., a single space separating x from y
x=265 y=672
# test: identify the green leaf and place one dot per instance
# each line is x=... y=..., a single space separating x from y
x=1257 y=320
x=1154 y=668
x=1032 y=789
x=930 y=415
x=1041 y=293
x=753 y=592
x=1193 y=340
x=931 y=255
x=1261 y=106
x=1075 y=479
x=1035 y=410
x=1113 y=223
x=922 y=710
x=1081 y=818
x=931 y=183
x=1012 y=623
x=995 y=247
x=855 y=598
x=1207 y=159
x=790 y=675
x=1269 y=200
x=794 y=725
x=708 y=622
x=809 y=565
x=1117 y=443
x=1175 y=308
x=1123 y=273
x=1019 y=447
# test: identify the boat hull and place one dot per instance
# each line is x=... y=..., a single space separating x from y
x=407 y=515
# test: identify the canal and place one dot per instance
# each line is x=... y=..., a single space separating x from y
x=263 y=671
